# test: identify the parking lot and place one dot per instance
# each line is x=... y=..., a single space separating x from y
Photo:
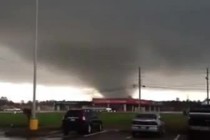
x=113 y=135
x=109 y=135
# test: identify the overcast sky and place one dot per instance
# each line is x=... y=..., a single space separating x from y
x=101 y=43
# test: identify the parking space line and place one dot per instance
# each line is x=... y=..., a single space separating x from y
x=54 y=132
x=2 y=133
x=57 y=134
x=93 y=134
x=177 y=137
x=54 y=136
x=128 y=137
x=116 y=130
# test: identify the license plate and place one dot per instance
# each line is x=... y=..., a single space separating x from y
x=72 y=119
x=143 y=127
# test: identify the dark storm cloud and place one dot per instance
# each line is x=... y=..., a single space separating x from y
x=101 y=43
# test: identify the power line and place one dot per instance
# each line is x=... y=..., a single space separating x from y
x=177 y=88
x=135 y=86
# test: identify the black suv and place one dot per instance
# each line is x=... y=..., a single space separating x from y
x=82 y=121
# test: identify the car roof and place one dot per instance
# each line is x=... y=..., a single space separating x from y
x=147 y=115
x=157 y=114
x=85 y=110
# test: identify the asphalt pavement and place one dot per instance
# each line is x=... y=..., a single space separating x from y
x=106 y=135
x=111 y=135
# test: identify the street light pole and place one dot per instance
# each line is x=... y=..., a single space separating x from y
x=35 y=61
x=34 y=121
x=139 y=89
x=207 y=84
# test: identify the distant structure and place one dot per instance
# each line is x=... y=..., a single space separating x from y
x=177 y=99
x=66 y=105
x=115 y=104
x=188 y=98
x=205 y=102
x=3 y=103
x=126 y=104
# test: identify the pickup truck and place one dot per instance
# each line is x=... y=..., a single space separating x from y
x=199 y=121
x=199 y=118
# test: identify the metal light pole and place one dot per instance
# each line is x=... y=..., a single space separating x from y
x=207 y=85
x=34 y=121
x=139 y=89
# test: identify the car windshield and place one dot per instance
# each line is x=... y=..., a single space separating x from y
x=204 y=109
x=146 y=116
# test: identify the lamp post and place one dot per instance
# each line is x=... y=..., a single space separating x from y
x=33 y=121
x=207 y=84
x=139 y=89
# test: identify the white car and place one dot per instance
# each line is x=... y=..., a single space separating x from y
x=147 y=123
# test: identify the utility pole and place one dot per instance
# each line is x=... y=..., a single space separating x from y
x=35 y=61
x=34 y=121
x=207 y=85
x=139 y=89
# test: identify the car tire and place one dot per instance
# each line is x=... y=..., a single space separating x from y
x=65 y=132
x=134 y=134
x=161 y=131
x=89 y=129
x=100 y=127
x=191 y=135
x=160 y=134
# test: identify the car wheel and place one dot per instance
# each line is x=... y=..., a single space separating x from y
x=89 y=129
x=161 y=132
x=80 y=132
x=191 y=135
x=134 y=134
x=65 y=132
x=100 y=127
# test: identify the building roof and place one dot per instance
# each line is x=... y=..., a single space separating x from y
x=121 y=101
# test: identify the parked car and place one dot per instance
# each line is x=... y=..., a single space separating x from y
x=198 y=121
x=82 y=121
x=147 y=123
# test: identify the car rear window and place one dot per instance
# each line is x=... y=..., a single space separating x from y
x=74 y=113
x=144 y=123
x=146 y=116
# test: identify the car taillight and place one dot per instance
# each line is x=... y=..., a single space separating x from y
x=83 y=118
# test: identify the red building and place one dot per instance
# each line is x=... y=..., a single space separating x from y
x=126 y=104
